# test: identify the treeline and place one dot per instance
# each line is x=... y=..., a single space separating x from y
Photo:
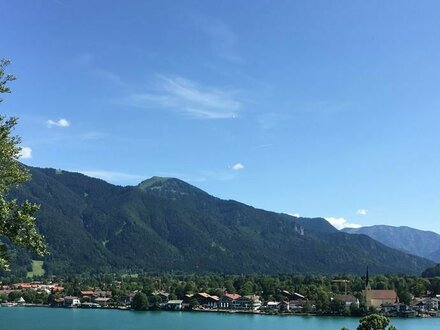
x=317 y=288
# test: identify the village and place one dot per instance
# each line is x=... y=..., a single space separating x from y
x=47 y=294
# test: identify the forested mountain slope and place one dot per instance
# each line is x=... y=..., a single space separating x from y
x=165 y=224
x=418 y=242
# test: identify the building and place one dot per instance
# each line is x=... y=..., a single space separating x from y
x=377 y=298
x=251 y=302
x=70 y=301
x=103 y=301
x=348 y=300
x=174 y=305
x=229 y=301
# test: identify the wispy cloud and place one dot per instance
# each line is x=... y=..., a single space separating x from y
x=189 y=97
x=362 y=212
x=296 y=215
x=59 y=123
x=237 y=167
x=340 y=223
x=25 y=153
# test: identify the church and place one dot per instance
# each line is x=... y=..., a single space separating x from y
x=378 y=298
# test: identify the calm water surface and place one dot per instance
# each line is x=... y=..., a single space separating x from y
x=17 y=318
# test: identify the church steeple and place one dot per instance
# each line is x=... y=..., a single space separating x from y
x=367 y=281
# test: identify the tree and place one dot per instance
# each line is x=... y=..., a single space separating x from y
x=337 y=306
x=140 y=302
x=17 y=221
x=375 y=322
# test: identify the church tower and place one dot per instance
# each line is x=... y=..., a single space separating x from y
x=367 y=292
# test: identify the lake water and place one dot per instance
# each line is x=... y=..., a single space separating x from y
x=22 y=318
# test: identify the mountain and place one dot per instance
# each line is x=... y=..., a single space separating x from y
x=165 y=224
x=418 y=242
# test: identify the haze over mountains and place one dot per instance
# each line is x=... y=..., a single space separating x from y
x=165 y=224
x=418 y=242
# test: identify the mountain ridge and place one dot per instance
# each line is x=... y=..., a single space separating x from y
x=166 y=224
x=418 y=242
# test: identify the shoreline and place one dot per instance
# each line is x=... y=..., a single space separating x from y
x=214 y=311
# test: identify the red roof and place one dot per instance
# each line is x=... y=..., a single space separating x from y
x=233 y=296
x=383 y=294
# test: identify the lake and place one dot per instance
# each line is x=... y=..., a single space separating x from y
x=24 y=318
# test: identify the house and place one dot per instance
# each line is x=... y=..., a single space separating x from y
x=206 y=300
x=272 y=305
x=298 y=305
x=250 y=302
x=174 y=305
x=212 y=302
x=229 y=301
x=284 y=306
x=432 y=303
x=58 y=302
x=103 y=301
x=348 y=300
x=87 y=293
x=425 y=304
x=70 y=301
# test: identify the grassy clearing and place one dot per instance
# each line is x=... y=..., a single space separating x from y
x=37 y=268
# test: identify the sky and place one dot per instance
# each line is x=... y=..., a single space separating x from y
x=313 y=108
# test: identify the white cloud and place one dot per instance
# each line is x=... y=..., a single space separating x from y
x=340 y=223
x=296 y=215
x=362 y=212
x=189 y=97
x=237 y=167
x=25 y=153
x=59 y=123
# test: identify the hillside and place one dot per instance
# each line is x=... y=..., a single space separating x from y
x=165 y=224
x=418 y=242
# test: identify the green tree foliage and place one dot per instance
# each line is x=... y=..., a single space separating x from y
x=17 y=221
x=140 y=302
x=374 y=322
x=337 y=306
x=168 y=225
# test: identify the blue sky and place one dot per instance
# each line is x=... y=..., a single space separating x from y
x=316 y=108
